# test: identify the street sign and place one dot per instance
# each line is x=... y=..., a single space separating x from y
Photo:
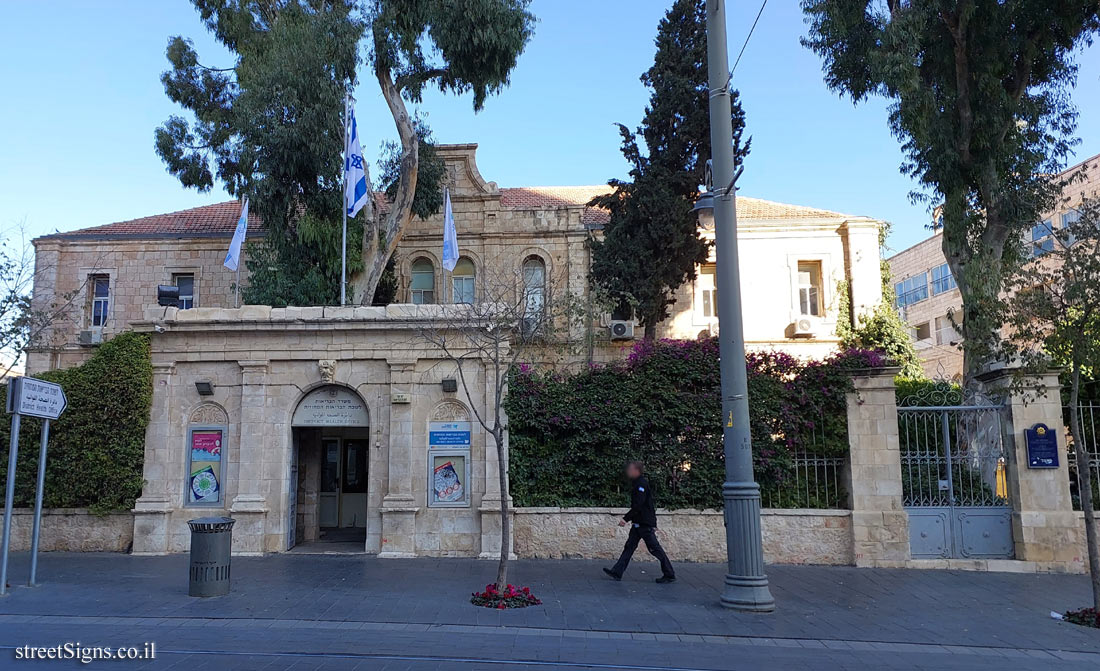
x=36 y=398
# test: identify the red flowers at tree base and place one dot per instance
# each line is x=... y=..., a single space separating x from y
x=1088 y=617
x=509 y=597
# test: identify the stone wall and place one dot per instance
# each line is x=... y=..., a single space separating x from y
x=790 y=536
x=73 y=530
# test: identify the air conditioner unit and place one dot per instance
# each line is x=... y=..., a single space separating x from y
x=622 y=330
x=806 y=327
x=90 y=337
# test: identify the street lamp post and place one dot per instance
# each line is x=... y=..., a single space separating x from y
x=746 y=585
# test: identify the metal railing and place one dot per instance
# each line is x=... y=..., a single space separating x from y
x=811 y=481
x=1089 y=415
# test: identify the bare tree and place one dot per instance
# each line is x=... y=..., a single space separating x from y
x=1053 y=312
x=517 y=315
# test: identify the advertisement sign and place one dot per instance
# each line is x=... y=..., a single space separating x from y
x=205 y=467
x=449 y=434
x=448 y=480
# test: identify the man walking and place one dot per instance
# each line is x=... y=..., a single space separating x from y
x=642 y=517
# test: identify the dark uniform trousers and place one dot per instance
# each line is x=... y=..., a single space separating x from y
x=649 y=535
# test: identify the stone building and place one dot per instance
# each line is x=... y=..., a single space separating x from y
x=338 y=423
x=925 y=291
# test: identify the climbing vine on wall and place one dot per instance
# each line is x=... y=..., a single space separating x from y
x=571 y=434
x=97 y=447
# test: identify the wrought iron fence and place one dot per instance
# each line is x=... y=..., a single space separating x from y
x=811 y=481
x=1089 y=416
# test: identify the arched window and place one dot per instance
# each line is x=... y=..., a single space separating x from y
x=534 y=285
x=422 y=286
x=462 y=281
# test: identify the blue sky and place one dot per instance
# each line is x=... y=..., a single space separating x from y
x=82 y=97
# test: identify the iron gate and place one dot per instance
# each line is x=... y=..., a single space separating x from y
x=953 y=475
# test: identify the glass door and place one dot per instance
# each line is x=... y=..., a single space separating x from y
x=329 y=502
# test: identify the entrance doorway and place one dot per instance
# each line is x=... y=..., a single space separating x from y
x=343 y=495
x=330 y=478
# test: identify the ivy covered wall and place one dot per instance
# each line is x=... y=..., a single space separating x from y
x=97 y=447
x=570 y=435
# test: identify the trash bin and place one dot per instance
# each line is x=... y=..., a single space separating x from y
x=211 y=542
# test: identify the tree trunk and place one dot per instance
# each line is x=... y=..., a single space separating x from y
x=1084 y=485
x=505 y=517
x=381 y=236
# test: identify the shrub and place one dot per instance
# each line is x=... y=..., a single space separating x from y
x=571 y=434
x=97 y=447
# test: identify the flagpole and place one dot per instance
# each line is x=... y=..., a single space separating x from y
x=344 y=212
x=237 y=285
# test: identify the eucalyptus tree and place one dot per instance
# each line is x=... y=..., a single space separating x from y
x=979 y=99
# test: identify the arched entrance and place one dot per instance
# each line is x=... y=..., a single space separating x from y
x=332 y=453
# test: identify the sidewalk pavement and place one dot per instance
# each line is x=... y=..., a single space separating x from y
x=360 y=612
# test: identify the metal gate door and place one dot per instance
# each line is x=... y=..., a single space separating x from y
x=953 y=475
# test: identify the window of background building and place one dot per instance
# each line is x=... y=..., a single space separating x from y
x=911 y=290
x=186 y=284
x=946 y=333
x=1042 y=238
x=809 y=288
x=534 y=292
x=921 y=331
x=942 y=279
x=423 y=282
x=462 y=281
x=706 y=293
x=100 y=291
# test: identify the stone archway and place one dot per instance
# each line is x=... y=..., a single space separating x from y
x=330 y=481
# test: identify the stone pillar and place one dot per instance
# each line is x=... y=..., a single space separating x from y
x=249 y=506
x=880 y=525
x=1045 y=528
x=398 y=505
x=158 y=495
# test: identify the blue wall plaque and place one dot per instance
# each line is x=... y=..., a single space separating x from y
x=449 y=434
x=1042 y=447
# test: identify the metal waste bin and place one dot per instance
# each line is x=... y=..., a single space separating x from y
x=211 y=543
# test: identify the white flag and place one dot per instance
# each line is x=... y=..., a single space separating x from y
x=450 y=237
x=233 y=256
x=356 y=192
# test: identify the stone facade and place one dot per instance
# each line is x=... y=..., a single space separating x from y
x=72 y=530
x=790 y=536
x=499 y=229
x=934 y=337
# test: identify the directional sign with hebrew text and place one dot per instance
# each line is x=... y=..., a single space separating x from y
x=36 y=398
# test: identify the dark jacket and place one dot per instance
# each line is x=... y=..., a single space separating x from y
x=643 y=507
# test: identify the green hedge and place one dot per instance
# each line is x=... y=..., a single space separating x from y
x=97 y=447
x=571 y=434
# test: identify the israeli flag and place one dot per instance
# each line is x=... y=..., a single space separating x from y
x=450 y=237
x=356 y=192
x=233 y=256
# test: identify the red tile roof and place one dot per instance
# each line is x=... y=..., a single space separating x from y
x=208 y=221
x=220 y=220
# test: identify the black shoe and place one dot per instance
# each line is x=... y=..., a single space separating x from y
x=665 y=579
x=614 y=576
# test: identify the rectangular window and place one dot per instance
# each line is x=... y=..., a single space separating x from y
x=706 y=293
x=921 y=331
x=942 y=280
x=911 y=290
x=1042 y=238
x=205 y=459
x=186 y=285
x=100 y=290
x=462 y=289
x=809 y=289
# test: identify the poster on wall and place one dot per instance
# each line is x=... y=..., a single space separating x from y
x=448 y=480
x=206 y=466
x=449 y=434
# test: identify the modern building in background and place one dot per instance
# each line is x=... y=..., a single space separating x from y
x=925 y=291
x=337 y=424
